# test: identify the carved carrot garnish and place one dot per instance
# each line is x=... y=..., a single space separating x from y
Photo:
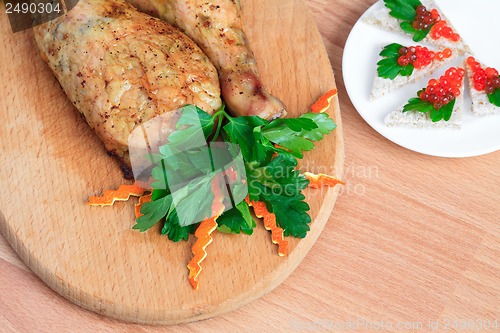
x=320 y=180
x=324 y=102
x=142 y=201
x=123 y=193
x=199 y=249
x=269 y=219
x=203 y=235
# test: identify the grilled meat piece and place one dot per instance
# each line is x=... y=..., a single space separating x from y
x=121 y=68
x=216 y=26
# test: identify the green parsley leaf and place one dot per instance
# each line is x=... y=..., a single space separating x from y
x=444 y=113
x=236 y=220
x=406 y=11
x=279 y=176
x=161 y=207
x=418 y=35
x=279 y=132
x=289 y=139
x=193 y=116
x=325 y=125
x=257 y=178
x=403 y=9
x=416 y=104
x=189 y=130
x=494 y=97
x=388 y=67
x=284 y=173
x=174 y=231
x=280 y=184
x=196 y=193
x=436 y=115
x=391 y=50
x=153 y=212
x=298 y=124
x=159 y=193
x=291 y=213
x=263 y=148
x=240 y=131
x=185 y=154
x=407 y=70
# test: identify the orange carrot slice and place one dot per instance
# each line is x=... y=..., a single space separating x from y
x=142 y=201
x=203 y=235
x=123 y=193
x=269 y=219
x=324 y=102
x=204 y=238
x=320 y=180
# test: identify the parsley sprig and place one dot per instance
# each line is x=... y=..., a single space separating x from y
x=388 y=67
x=406 y=11
x=444 y=113
x=494 y=97
x=270 y=151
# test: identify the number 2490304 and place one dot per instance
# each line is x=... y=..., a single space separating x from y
x=32 y=8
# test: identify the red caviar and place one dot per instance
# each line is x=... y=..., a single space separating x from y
x=441 y=29
x=446 y=89
x=484 y=79
x=420 y=56
x=426 y=19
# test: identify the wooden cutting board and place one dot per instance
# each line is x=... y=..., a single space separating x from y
x=51 y=162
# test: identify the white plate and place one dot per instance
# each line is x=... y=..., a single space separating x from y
x=477 y=24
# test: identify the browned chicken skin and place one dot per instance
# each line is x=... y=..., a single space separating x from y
x=121 y=68
x=216 y=26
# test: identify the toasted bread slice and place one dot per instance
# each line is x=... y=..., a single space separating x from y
x=417 y=119
x=382 y=19
x=481 y=105
x=383 y=85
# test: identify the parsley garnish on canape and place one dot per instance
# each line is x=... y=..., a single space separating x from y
x=403 y=60
x=418 y=21
x=439 y=97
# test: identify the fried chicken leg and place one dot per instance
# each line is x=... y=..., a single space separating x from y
x=216 y=26
x=121 y=68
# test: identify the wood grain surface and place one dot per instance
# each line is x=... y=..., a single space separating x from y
x=90 y=255
x=413 y=239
